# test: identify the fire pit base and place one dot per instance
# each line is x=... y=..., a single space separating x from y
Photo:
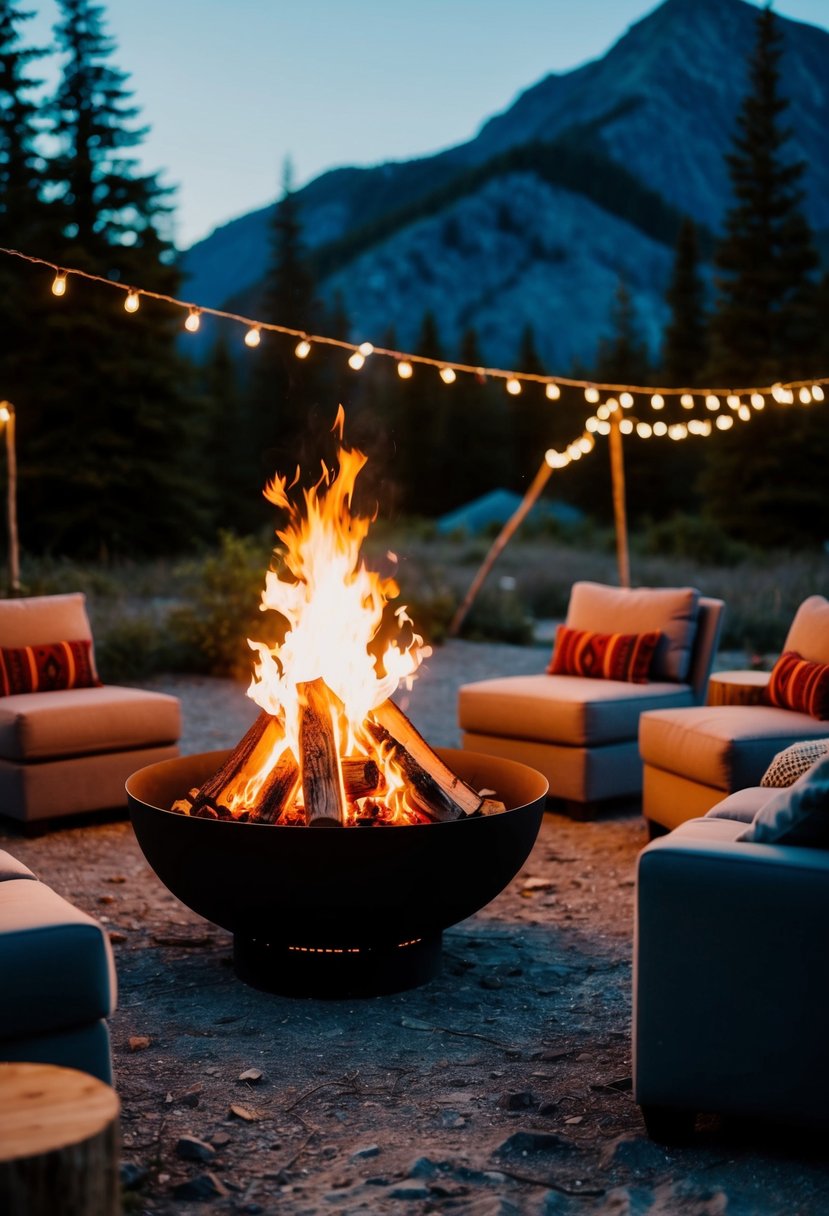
x=336 y=971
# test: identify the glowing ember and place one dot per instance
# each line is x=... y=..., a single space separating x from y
x=330 y=746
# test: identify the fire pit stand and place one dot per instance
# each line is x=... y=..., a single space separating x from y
x=336 y=912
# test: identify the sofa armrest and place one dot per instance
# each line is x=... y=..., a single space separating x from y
x=730 y=980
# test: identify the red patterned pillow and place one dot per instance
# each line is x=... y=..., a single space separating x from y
x=797 y=683
x=605 y=656
x=47 y=668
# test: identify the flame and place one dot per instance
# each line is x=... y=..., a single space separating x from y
x=334 y=607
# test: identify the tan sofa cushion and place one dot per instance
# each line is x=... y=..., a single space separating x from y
x=742 y=805
x=670 y=610
x=725 y=746
x=56 y=962
x=573 y=710
x=36 y=620
x=10 y=867
x=808 y=635
x=79 y=721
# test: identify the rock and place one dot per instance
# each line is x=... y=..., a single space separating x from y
x=190 y=1097
x=491 y=981
x=220 y=1139
x=242 y=1112
x=522 y=1099
x=526 y=1144
x=424 y=1167
x=138 y=1042
x=548 y=1109
x=252 y=1075
x=635 y=1153
x=363 y=1154
x=202 y=1187
x=410 y=1192
x=117 y=937
x=452 y=1118
x=131 y=1175
x=190 y=1148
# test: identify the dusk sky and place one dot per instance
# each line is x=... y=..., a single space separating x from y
x=231 y=88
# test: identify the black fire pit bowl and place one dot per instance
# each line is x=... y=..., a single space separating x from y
x=336 y=912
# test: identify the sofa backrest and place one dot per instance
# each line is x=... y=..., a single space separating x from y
x=710 y=613
x=38 y=620
x=808 y=634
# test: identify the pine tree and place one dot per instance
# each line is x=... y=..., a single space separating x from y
x=110 y=444
x=685 y=348
x=765 y=481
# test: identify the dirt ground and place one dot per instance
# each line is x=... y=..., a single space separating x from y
x=502 y=1088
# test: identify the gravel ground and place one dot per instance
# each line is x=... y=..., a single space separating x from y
x=502 y=1088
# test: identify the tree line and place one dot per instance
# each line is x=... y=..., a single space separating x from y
x=128 y=447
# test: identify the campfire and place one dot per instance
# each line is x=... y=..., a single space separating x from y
x=330 y=748
x=349 y=912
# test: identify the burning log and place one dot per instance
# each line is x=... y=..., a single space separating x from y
x=215 y=786
x=322 y=785
x=277 y=791
x=422 y=788
x=361 y=777
x=457 y=793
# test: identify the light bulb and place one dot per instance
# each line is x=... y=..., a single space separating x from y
x=253 y=336
x=611 y=405
x=725 y=422
x=660 y=428
x=817 y=392
x=744 y=413
x=758 y=401
x=625 y=400
x=592 y=424
x=603 y=428
x=192 y=321
x=356 y=360
x=574 y=451
x=687 y=401
x=591 y=395
x=657 y=402
x=59 y=284
x=556 y=460
x=5 y=413
x=678 y=431
x=603 y=413
x=805 y=395
x=778 y=392
x=131 y=302
x=302 y=349
x=513 y=386
x=644 y=430
x=404 y=369
x=552 y=392
x=626 y=426
x=447 y=375
x=733 y=401
x=712 y=402
x=585 y=443
x=366 y=349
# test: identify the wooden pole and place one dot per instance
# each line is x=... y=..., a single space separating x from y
x=11 y=465
x=539 y=481
x=58 y=1143
x=617 y=477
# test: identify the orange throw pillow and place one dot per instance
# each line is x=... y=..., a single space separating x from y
x=603 y=656
x=799 y=684
x=47 y=668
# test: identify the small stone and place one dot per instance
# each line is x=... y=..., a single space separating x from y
x=106 y=899
x=636 y=1153
x=242 y=1112
x=575 y=1119
x=522 y=1099
x=116 y=937
x=190 y=1097
x=524 y=1144
x=546 y=1109
x=363 y=1154
x=117 y=878
x=220 y=1139
x=203 y=1187
x=131 y=1175
x=139 y=1042
x=410 y=1193
x=252 y=1075
x=491 y=981
x=425 y=1167
x=190 y=1148
x=452 y=1118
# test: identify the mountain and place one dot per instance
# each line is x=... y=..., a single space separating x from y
x=579 y=183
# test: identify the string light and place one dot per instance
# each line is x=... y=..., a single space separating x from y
x=356 y=360
x=660 y=428
x=744 y=413
x=725 y=422
x=803 y=392
x=644 y=430
x=626 y=426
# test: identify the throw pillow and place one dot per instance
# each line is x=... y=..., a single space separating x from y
x=793 y=762
x=47 y=668
x=796 y=683
x=798 y=815
x=604 y=656
x=670 y=610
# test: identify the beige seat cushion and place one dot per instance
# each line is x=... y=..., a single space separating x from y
x=56 y=962
x=10 y=867
x=571 y=710
x=670 y=610
x=724 y=746
x=82 y=721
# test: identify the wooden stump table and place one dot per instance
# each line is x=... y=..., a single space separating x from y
x=737 y=687
x=58 y=1143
